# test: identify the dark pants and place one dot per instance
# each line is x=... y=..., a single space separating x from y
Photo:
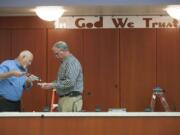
x=9 y=106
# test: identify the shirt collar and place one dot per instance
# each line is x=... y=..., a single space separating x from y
x=67 y=57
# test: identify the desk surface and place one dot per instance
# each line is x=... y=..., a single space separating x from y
x=89 y=114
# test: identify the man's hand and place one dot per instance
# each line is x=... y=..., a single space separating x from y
x=32 y=78
x=46 y=85
x=29 y=83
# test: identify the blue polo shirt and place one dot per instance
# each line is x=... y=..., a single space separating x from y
x=12 y=88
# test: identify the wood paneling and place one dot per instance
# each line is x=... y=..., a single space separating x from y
x=141 y=58
x=75 y=42
x=101 y=69
x=168 y=65
x=5 y=44
x=24 y=22
x=20 y=126
x=137 y=67
x=111 y=126
x=90 y=126
x=35 y=41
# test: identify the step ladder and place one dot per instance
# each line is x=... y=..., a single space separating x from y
x=54 y=106
x=159 y=93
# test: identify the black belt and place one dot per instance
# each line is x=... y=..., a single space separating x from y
x=2 y=98
x=71 y=94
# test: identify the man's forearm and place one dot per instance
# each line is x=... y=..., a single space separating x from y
x=5 y=75
x=65 y=84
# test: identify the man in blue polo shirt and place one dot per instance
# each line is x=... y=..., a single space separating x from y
x=13 y=81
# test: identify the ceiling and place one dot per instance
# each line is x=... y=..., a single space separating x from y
x=91 y=10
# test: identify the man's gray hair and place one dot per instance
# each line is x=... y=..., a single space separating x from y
x=25 y=53
x=61 y=45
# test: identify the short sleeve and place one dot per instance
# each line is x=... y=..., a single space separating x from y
x=4 y=67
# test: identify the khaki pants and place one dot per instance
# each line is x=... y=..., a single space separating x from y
x=70 y=104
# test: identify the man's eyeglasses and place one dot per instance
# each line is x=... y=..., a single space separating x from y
x=56 y=53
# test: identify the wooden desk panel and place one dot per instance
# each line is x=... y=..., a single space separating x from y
x=20 y=126
x=89 y=124
x=111 y=126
